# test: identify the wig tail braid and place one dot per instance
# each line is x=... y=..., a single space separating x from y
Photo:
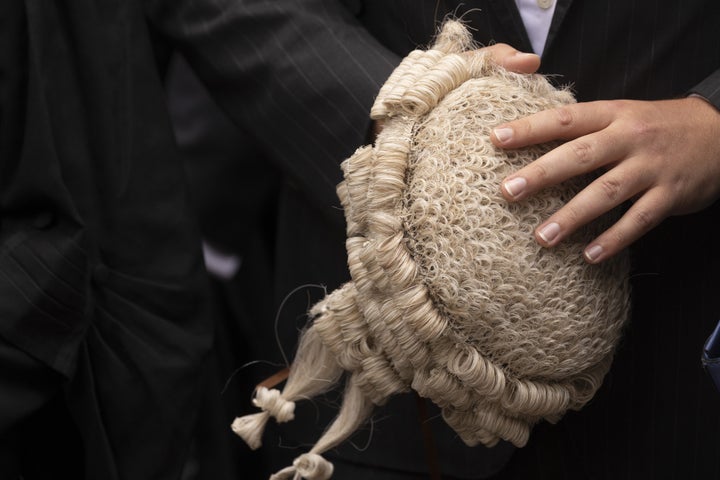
x=313 y=372
x=355 y=410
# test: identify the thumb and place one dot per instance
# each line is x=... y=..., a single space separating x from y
x=510 y=58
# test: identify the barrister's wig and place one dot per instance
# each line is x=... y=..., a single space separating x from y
x=450 y=294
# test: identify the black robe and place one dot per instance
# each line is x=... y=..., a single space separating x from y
x=101 y=273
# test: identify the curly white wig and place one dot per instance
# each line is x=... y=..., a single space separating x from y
x=450 y=294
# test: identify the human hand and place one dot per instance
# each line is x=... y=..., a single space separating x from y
x=665 y=155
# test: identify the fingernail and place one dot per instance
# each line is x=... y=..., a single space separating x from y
x=549 y=232
x=593 y=252
x=515 y=186
x=503 y=134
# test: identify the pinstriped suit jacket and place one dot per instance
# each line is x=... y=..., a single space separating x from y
x=657 y=415
x=102 y=277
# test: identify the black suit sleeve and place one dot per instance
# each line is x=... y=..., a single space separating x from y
x=709 y=89
x=299 y=75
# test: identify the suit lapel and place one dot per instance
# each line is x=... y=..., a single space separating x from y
x=511 y=22
x=509 y=17
x=561 y=9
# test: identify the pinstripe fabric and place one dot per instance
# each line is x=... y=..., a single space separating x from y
x=298 y=75
x=91 y=149
x=310 y=243
x=656 y=416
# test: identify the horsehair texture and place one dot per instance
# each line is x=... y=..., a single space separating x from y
x=450 y=294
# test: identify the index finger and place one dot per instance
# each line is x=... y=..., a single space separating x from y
x=562 y=123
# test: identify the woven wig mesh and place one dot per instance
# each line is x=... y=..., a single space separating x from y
x=450 y=294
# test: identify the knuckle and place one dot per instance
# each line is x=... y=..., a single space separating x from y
x=611 y=188
x=565 y=116
x=617 y=237
x=571 y=214
x=582 y=151
x=645 y=219
x=633 y=122
x=523 y=127
x=639 y=128
x=615 y=107
x=541 y=172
